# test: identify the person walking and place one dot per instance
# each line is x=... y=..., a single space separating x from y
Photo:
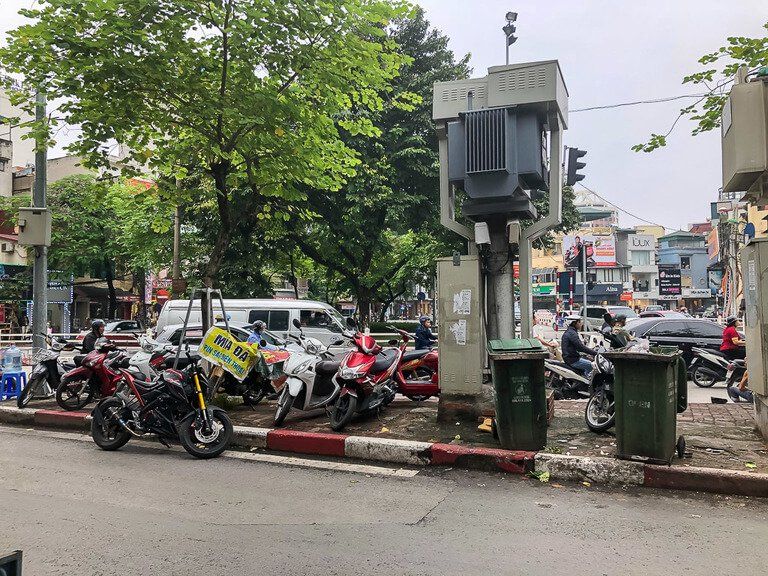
x=424 y=336
x=573 y=347
x=24 y=322
x=733 y=347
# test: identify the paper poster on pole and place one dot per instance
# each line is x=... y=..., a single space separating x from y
x=459 y=331
x=462 y=302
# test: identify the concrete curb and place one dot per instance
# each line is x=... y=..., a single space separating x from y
x=597 y=470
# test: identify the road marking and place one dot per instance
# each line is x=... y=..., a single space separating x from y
x=246 y=456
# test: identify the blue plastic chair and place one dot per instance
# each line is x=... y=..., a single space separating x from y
x=12 y=384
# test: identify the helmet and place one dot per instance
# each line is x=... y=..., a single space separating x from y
x=96 y=324
x=573 y=318
x=259 y=326
x=731 y=320
x=423 y=319
x=621 y=319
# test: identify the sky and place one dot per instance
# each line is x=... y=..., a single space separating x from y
x=610 y=51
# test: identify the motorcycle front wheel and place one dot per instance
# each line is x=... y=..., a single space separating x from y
x=703 y=378
x=284 y=405
x=599 y=414
x=74 y=394
x=30 y=391
x=109 y=435
x=343 y=411
x=206 y=444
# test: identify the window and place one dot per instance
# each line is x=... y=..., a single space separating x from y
x=3 y=164
x=595 y=312
x=255 y=315
x=641 y=258
x=278 y=320
x=706 y=329
x=318 y=319
x=685 y=262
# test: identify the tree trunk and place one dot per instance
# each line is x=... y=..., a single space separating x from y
x=219 y=172
x=293 y=279
x=363 y=305
x=110 y=278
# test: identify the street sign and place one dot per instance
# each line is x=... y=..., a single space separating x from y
x=670 y=281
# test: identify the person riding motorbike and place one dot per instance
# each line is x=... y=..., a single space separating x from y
x=620 y=332
x=259 y=327
x=424 y=336
x=538 y=331
x=733 y=347
x=572 y=346
x=97 y=331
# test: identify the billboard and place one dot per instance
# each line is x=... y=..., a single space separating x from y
x=670 y=281
x=713 y=245
x=600 y=250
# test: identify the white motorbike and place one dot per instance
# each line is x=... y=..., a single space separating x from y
x=708 y=367
x=151 y=359
x=309 y=384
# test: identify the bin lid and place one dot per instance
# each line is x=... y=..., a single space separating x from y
x=655 y=354
x=515 y=346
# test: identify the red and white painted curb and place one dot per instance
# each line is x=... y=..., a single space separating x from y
x=596 y=470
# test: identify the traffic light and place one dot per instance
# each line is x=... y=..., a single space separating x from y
x=572 y=175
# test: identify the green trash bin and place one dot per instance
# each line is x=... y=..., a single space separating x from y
x=649 y=391
x=517 y=368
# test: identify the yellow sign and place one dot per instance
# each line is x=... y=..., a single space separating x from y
x=222 y=349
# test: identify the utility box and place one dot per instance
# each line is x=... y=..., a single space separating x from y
x=34 y=227
x=754 y=265
x=744 y=131
x=461 y=336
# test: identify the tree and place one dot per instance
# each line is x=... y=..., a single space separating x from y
x=721 y=67
x=106 y=226
x=384 y=222
x=245 y=91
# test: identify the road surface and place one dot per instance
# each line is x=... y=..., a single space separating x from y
x=74 y=509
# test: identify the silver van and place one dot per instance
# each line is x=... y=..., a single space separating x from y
x=318 y=319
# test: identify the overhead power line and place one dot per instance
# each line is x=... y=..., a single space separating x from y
x=638 y=102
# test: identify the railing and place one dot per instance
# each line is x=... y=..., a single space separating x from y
x=24 y=343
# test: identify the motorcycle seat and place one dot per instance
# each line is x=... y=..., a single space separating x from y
x=384 y=360
x=78 y=360
x=415 y=354
x=147 y=385
x=137 y=374
x=326 y=368
x=715 y=352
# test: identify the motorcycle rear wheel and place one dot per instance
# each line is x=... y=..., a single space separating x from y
x=596 y=407
x=109 y=435
x=252 y=397
x=343 y=410
x=703 y=378
x=74 y=394
x=197 y=443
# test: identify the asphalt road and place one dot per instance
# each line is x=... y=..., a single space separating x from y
x=74 y=509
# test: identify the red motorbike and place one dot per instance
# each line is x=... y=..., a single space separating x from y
x=97 y=376
x=416 y=376
x=366 y=377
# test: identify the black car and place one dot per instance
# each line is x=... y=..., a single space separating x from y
x=685 y=333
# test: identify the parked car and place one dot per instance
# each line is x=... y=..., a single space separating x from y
x=663 y=314
x=595 y=314
x=653 y=308
x=171 y=334
x=318 y=320
x=122 y=332
x=685 y=333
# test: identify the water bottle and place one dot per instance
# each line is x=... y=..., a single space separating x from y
x=12 y=359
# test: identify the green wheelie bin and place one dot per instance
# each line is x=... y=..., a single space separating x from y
x=650 y=389
x=517 y=368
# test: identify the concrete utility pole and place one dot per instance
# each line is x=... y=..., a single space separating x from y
x=40 y=268
x=584 y=283
x=177 y=244
x=501 y=318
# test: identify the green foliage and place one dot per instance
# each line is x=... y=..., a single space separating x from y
x=243 y=92
x=720 y=68
x=380 y=233
x=571 y=217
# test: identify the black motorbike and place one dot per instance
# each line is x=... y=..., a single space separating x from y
x=172 y=407
x=599 y=412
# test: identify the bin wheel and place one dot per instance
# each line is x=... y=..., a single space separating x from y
x=680 y=447
x=494 y=430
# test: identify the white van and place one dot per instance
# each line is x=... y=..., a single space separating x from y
x=318 y=319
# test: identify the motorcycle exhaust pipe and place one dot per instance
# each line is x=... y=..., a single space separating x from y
x=125 y=426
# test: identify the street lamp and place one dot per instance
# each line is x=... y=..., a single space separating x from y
x=509 y=31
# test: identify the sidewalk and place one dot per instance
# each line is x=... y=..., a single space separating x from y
x=725 y=452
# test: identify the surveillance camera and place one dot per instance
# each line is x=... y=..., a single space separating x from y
x=511 y=16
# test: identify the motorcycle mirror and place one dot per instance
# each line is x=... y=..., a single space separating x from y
x=351 y=322
x=263 y=343
x=296 y=323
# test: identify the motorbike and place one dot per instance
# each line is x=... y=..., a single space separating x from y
x=310 y=384
x=599 y=413
x=566 y=382
x=172 y=407
x=46 y=375
x=151 y=358
x=264 y=380
x=736 y=370
x=366 y=378
x=97 y=376
x=708 y=367
x=417 y=375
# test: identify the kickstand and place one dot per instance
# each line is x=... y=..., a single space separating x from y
x=163 y=441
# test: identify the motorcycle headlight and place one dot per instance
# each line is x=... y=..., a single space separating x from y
x=303 y=366
x=349 y=374
x=311 y=349
x=604 y=365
